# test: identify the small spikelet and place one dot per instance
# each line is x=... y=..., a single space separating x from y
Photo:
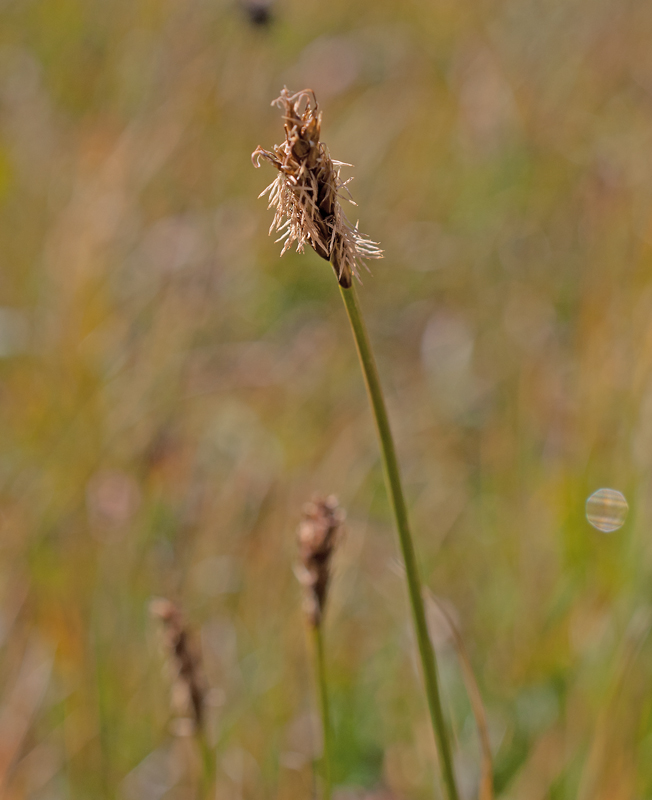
x=307 y=191
x=318 y=535
x=188 y=690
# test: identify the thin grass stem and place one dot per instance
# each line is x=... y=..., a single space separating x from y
x=395 y=491
x=207 y=765
x=324 y=705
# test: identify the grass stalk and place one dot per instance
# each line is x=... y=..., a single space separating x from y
x=207 y=757
x=324 y=705
x=397 y=500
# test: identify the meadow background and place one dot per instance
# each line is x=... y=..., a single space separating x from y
x=171 y=392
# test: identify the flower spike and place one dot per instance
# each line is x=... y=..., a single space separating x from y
x=307 y=191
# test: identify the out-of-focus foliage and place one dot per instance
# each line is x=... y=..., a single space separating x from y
x=171 y=391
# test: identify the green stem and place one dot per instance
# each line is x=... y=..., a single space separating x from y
x=327 y=757
x=207 y=765
x=395 y=490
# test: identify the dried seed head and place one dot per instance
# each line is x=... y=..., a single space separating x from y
x=188 y=689
x=318 y=535
x=308 y=190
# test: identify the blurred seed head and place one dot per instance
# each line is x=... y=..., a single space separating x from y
x=308 y=190
x=318 y=535
x=188 y=690
x=259 y=12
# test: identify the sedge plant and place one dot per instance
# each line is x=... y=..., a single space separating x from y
x=318 y=534
x=306 y=195
x=188 y=700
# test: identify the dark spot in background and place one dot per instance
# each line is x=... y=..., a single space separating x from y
x=259 y=12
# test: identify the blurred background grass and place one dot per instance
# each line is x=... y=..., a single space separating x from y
x=171 y=392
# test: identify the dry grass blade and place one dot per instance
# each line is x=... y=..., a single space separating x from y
x=601 y=755
x=21 y=704
x=486 y=791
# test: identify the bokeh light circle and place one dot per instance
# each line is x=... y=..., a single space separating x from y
x=607 y=510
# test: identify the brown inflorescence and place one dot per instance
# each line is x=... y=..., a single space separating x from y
x=188 y=689
x=308 y=190
x=318 y=534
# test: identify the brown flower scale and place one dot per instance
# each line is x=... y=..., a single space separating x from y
x=189 y=688
x=318 y=534
x=308 y=190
